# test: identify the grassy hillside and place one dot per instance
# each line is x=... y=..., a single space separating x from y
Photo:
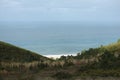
x=18 y=60
x=103 y=61
x=11 y=53
x=113 y=48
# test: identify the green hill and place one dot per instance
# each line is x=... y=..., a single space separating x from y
x=102 y=62
x=11 y=53
x=113 y=48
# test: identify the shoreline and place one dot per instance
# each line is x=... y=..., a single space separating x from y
x=58 y=56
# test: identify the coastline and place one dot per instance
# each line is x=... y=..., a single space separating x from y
x=58 y=56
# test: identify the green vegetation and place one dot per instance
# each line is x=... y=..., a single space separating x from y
x=14 y=59
x=10 y=53
x=103 y=61
x=118 y=40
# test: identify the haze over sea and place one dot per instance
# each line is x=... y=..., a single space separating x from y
x=58 y=38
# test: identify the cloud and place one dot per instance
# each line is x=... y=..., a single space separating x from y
x=59 y=9
x=48 y=3
x=9 y=3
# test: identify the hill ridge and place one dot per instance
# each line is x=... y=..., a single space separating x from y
x=9 y=52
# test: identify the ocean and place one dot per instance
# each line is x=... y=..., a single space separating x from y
x=58 y=38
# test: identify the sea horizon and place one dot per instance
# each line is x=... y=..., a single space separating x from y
x=58 y=38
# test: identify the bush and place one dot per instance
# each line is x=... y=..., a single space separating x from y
x=107 y=60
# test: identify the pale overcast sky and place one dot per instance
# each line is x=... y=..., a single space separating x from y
x=60 y=10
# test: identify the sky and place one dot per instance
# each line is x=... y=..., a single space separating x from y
x=60 y=10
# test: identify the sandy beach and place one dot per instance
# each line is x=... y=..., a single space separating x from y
x=58 y=56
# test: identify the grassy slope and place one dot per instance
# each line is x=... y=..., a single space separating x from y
x=101 y=61
x=113 y=48
x=107 y=64
x=11 y=53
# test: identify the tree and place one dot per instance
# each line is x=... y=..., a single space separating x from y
x=107 y=60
